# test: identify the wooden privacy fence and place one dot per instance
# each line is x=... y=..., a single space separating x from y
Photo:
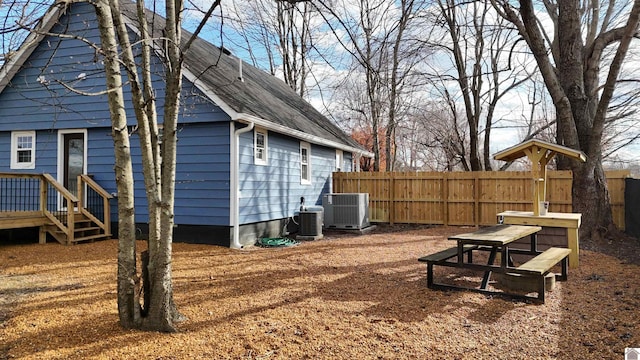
x=464 y=198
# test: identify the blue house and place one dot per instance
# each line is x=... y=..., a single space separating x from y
x=248 y=146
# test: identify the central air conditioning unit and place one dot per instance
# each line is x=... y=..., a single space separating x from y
x=346 y=211
x=310 y=224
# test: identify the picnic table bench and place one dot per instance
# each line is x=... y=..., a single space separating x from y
x=496 y=239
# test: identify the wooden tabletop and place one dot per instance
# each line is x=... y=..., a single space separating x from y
x=497 y=235
x=551 y=219
x=556 y=215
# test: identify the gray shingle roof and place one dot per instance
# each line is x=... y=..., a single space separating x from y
x=258 y=94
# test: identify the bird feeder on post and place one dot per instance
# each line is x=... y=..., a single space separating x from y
x=539 y=153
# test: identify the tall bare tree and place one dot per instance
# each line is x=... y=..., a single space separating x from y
x=580 y=63
x=484 y=66
x=380 y=36
x=295 y=42
x=157 y=310
x=433 y=137
x=278 y=36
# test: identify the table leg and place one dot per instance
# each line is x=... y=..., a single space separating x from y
x=572 y=239
x=487 y=274
x=504 y=257
x=534 y=243
x=429 y=275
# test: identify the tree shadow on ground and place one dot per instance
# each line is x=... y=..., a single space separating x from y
x=394 y=290
x=383 y=277
x=600 y=306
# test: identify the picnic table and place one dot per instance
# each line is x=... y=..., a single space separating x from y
x=497 y=239
x=569 y=221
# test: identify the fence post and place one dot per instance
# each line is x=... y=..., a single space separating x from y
x=392 y=198
x=107 y=216
x=445 y=199
x=476 y=198
x=70 y=221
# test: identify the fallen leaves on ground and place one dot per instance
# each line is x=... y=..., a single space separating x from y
x=342 y=297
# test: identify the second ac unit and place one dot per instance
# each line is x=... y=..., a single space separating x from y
x=346 y=211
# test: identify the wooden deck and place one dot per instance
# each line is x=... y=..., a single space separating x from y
x=34 y=201
x=21 y=219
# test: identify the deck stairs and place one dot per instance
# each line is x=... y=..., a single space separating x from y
x=84 y=230
x=34 y=201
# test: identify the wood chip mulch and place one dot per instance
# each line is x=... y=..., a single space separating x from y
x=342 y=297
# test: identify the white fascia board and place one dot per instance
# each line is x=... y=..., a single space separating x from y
x=15 y=62
x=301 y=134
x=260 y=122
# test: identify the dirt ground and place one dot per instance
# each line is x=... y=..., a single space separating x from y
x=343 y=297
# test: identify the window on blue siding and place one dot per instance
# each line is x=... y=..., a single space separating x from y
x=339 y=160
x=305 y=163
x=23 y=150
x=260 y=145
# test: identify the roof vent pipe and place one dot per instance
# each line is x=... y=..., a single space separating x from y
x=240 y=77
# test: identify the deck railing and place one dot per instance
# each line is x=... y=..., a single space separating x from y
x=19 y=193
x=94 y=202
x=41 y=196
x=61 y=214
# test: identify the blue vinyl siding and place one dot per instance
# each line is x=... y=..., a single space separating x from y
x=100 y=164
x=347 y=162
x=273 y=191
x=46 y=153
x=202 y=176
x=5 y=148
x=202 y=173
x=35 y=100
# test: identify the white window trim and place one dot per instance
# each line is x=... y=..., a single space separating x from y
x=14 y=150
x=60 y=166
x=265 y=153
x=339 y=161
x=307 y=146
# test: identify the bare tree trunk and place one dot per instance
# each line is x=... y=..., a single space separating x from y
x=128 y=301
x=159 y=311
x=591 y=198
x=395 y=83
x=581 y=103
x=294 y=36
x=470 y=90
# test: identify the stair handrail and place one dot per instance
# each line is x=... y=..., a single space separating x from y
x=71 y=200
x=105 y=224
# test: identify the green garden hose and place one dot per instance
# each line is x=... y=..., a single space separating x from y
x=276 y=242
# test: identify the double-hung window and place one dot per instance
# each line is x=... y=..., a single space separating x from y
x=23 y=150
x=260 y=145
x=305 y=163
